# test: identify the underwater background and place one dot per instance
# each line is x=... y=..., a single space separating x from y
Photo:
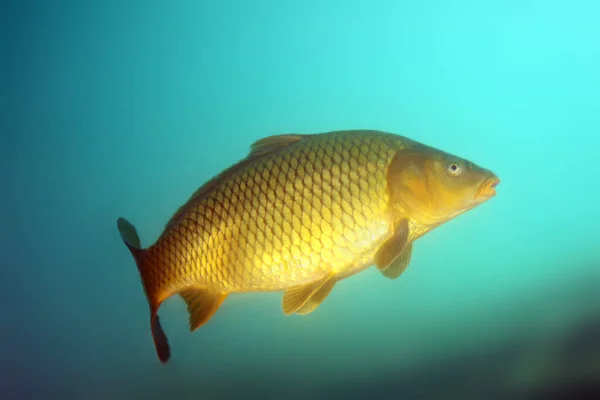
x=125 y=108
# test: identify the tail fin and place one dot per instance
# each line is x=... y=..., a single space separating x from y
x=131 y=239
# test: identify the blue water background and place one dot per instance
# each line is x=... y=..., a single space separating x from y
x=124 y=108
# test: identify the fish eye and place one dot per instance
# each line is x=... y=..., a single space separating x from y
x=454 y=169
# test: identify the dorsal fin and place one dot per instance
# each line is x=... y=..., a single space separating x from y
x=258 y=149
x=271 y=143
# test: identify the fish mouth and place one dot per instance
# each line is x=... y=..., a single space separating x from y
x=487 y=189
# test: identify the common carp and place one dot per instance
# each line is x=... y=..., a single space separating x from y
x=300 y=213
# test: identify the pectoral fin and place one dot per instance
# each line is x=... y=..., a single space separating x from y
x=201 y=304
x=398 y=266
x=306 y=298
x=394 y=247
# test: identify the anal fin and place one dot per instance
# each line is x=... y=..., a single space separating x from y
x=399 y=265
x=306 y=298
x=202 y=304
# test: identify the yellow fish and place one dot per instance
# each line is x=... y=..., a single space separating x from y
x=300 y=213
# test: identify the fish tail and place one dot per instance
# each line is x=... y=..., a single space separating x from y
x=131 y=239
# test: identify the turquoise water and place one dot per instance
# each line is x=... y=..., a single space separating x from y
x=125 y=108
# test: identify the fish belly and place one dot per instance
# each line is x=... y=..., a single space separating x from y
x=311 y=262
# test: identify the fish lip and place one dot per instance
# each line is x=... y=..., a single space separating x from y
x=487 y=189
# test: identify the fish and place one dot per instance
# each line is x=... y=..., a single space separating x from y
x=300 y=213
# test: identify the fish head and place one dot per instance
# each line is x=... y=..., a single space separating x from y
x=433 y=186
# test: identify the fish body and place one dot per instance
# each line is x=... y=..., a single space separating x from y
x=300 y=213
